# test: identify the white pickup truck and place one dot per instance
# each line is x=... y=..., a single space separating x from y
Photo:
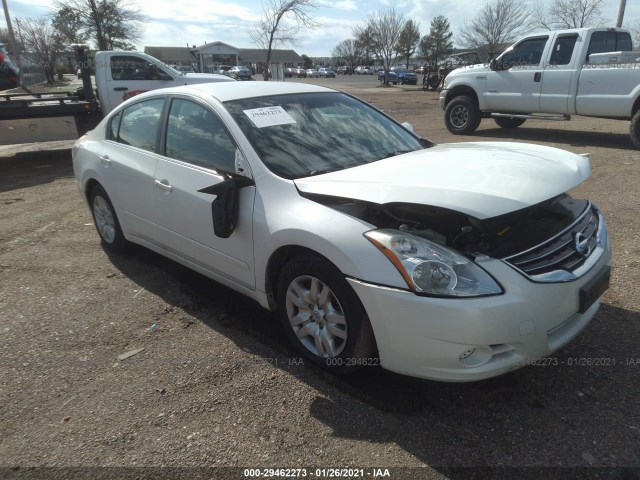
x=552 y=75
x=122 y=74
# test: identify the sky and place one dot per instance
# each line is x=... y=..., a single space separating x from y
x=195 y=22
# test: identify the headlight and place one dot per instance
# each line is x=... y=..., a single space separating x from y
x=431 y=269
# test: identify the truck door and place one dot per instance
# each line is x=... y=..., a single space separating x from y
x=131 y=74
x=560 y=77
x=515 y=83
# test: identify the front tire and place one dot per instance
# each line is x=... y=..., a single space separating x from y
x=322 y=316
x=462 y=115
x=634 y=130
x=106 y=221
x=509 y=122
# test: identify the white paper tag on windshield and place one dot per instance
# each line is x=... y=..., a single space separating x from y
x=269 y=116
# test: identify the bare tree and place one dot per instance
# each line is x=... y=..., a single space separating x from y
x=280 y=23
x=408 y=41
x=499 y=22
x=109 y=23
x=385 y=27
x=349 y=50
x=570 y=14
x=41 y=43
x=4 y=36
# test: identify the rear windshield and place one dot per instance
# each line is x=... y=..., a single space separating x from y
x=602 y=42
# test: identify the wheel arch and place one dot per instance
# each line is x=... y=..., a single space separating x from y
x=462 y=90
x=89 y=185
x=276 y=263
x=636 y=107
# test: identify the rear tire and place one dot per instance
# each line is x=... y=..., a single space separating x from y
x=462 y=115
x=322 y=316
x=509 y=122
x=634 y=130
x=106 y=221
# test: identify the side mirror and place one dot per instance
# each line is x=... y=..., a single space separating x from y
x=493 y=65
x=408 y=126
x=225 y=207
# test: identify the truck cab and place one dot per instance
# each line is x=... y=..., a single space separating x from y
x=550 y=75
x=122 y=74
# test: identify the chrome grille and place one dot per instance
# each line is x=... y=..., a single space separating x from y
x=567 y=251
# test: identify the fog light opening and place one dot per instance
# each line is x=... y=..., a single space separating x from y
x=475 y=356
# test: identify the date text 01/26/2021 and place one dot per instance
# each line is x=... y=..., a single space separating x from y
x=316 y=473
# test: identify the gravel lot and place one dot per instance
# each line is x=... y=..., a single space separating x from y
x=216 y=385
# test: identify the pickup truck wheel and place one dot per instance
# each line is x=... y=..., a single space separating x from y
x=462 y=116
x=509 y=122
x=106 y=221
x=322 y=316
x=634 y=129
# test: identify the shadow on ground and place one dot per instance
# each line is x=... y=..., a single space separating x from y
x=576 y=409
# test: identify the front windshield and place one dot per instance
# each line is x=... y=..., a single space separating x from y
x=299 y=135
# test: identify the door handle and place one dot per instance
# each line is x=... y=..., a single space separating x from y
x=163 y=185
x=537 y=76
x=106 y=161
x=120 y=89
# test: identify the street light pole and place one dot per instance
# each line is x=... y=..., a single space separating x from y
x=7 y=18
x=623 y=4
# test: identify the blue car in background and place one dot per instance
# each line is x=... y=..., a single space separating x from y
x=400 y=76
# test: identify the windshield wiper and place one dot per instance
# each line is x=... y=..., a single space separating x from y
x=396 y=153
x=335 y=168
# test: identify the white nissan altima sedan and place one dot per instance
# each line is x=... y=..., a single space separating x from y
x=453 y=262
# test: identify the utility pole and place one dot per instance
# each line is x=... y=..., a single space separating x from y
x=7 y=18
x=623 y=4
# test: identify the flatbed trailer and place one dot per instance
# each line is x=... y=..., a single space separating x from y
x=43 y=117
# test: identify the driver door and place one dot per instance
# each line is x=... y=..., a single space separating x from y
x=198 y=149
x=516 y=84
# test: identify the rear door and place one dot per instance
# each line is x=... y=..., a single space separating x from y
x=198 y=151
x=128 y=162
x=560 y=77
x=516 y=85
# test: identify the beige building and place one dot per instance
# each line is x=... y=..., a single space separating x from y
x=206 y=56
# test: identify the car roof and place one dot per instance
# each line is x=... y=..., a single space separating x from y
x=227 y=91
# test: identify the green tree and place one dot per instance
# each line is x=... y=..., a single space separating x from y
x=365 y=43
x=69 y=26
x=111 y=24
x=408 y=41
x=306 y=61
x=439 y=40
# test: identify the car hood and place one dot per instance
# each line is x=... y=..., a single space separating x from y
x=479 y=179
x=193 y=78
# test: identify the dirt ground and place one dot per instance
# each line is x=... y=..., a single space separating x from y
x=217 y=386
